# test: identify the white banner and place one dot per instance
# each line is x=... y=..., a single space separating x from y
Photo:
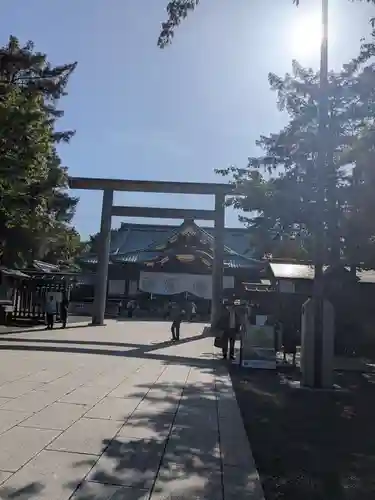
x=172 y=283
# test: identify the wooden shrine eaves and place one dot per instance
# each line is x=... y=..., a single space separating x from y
x=163 y=213
x=149 y=186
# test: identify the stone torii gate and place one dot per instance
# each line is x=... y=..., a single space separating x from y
x=108 y=186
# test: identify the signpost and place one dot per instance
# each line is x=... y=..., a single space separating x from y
x=258 y=347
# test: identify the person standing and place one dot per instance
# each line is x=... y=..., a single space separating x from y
x=193 y=311
x=50 y=312
x=64 y=307
x=176 y=316
x=229 y=323
x=130 y=307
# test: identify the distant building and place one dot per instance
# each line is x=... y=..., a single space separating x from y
x=168 y=260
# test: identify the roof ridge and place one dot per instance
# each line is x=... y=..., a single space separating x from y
x=209 y=236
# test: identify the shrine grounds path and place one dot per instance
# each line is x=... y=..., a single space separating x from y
x=120 y=412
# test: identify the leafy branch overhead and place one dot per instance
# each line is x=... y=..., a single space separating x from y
x=178 y=10
x=277 y=191
x=35 y=207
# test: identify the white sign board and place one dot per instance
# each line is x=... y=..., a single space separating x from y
x=258 y=347
x=173 y=283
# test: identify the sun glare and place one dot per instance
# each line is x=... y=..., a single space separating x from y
x=305 y=36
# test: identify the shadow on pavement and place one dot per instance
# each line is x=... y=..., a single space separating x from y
x=13 y=330
x=168 y=448
x=141 y=351
x=171 y=454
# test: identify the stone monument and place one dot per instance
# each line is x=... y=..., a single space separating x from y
x=308 y=333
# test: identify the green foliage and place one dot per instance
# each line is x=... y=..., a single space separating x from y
x=35 y=208
x=278 y=191
x=178 y=10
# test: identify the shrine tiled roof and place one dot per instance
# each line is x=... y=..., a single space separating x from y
x=141 y=243
x=133 y=237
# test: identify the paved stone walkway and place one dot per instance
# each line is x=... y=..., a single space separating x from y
x=119 y=412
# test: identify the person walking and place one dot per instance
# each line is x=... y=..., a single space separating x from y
x=130 y=307
x=64 y=307
x=230 y=325
x=50 y=312
x=193 y=311
x=176 y=315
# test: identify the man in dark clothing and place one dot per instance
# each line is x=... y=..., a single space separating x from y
x=229 y=323
x=64 y=306
x=176 y=316
x=130 y=307
x=50 y=312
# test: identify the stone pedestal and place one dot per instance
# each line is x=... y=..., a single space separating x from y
x=308 y=345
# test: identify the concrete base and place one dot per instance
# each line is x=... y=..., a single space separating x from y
x=308 y=345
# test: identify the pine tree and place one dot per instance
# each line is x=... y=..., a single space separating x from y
x=178 y=10
x=35 y=207
x=278 y=191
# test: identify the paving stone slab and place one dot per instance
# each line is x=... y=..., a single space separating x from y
x=95 y=491
x=49 y=476
x=57 y=416
x=4 y=476
x=45 y=376
x=154 y=418
x=32 y=402
x=198 y=403
x=196 y=418
x=3 y=401
x=17 y=388
x=109 y=380
x=9 y=375
x=157 y=407
x=85 y=396
x=113 y=409
x=234 y=446
x=180 y=483
x=20 y=444
x=129 y=462
x=194 y=445
x=87 y=435
x=137 y=427
x=127 y=390
x=242 y=484
x=9 y=419
x=63 y=385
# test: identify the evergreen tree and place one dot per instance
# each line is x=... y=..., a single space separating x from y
x=178 y=10
x=35 y=207
x=278 y=191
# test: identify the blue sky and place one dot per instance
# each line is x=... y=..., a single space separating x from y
x=143 y=113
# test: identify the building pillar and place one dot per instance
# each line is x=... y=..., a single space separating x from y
x=104 y=240
x=218 y=264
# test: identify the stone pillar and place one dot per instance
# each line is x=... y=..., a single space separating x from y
x=218 y=265
x=308 y=345
x=104 y=241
